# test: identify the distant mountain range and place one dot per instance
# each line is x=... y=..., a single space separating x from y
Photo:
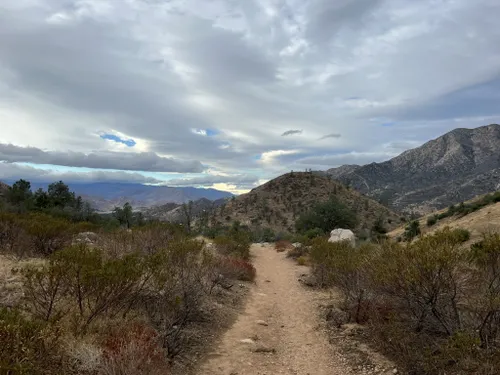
x=173 y=212
x=455 y=167
x=106 y=196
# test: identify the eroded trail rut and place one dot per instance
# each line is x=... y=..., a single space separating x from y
x=298 y=346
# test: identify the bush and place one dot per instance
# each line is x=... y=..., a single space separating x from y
x=412 y=230
x=431 y=304
x=302 y=260
x=133 y=349
x=282 y=246
x=432 y=220
x=327 y=216
x=234 y=244
x=28 y=346
x=235 y=269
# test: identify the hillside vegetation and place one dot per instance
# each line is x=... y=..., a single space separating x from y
x=478 y=216
x=279 y=203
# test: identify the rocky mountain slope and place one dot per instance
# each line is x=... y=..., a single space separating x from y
x=452 y=168
x=279 y=202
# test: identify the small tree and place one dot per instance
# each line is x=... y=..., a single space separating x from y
x=20 y=195
x=327 y=216
x=412 y=230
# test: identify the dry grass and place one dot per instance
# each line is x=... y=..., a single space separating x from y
x=11 y=286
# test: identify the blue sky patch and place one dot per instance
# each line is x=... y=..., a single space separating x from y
x=388 y=124
x=112 y=137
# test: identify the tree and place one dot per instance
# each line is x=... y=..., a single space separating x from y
x=327 y=216
x=187 y=210
x=412 y=230
x=124 y=215
x=41 y=199
x=20 y=195
x=60 y=195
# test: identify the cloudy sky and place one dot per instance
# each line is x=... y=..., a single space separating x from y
x=230 y=93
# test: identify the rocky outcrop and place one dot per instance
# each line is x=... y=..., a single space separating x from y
x=452 y=168
x=338 y=235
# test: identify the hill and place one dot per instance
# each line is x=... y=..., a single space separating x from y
x=173 y=212
x=279 y=202
x=482 y=218
x=455 y=167
x=106 y=196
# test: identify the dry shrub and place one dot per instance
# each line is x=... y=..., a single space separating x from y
x=236 y=269
x=431 y=304
x=133 y=349
x=302 y=260
x=282 y=246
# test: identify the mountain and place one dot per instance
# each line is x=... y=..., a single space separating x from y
x=279 y=202
x=455 y=167
x=106 y=196
x=173 y=212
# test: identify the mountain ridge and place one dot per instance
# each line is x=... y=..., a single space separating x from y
x=454 y=167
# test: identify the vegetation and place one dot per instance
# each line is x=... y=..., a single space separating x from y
x=463 y=209
x=77 y=300
x=431 y=304
x=326 y=216
x=412 y=230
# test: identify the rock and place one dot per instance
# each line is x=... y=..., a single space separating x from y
x=297 y=245
x=247 y=341
x=262 y=323
x=339 y=234
x=395 y=371
x=86 y=237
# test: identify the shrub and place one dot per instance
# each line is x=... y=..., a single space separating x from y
x=462 y=235
x=326 y=216
x=235 y=268
x=133 y=349
x=28 y=346
x=412 y=230
x=282 y=246
x=432 y=220
x=302 y=260
x=235 y=244
x=47 y=234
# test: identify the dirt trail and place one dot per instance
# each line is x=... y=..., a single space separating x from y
x=292 y=332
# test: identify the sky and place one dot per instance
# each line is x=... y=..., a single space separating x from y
x=231 y=93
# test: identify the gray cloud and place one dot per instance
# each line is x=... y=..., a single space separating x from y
x=332 y=135
x=154 y=70
x=143 y=161
x=13 y=171
x=291 y=132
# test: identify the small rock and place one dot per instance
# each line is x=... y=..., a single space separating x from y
x=395 y=371
x=268 y=281
x=262 y=323
x=247 y=341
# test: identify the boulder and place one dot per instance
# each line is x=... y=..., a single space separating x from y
x=339 y=234
x=297 y=245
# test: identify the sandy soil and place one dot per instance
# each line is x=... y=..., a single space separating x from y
x=279 y=331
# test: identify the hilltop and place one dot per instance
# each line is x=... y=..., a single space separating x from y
x=279 y=202
x=455 y=167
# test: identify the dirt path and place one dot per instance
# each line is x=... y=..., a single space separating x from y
x=292 y=335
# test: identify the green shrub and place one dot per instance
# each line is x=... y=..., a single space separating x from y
x=462 y=235
x=28 y=346
x=326 y=216
x=235 y=244
x=412 y=230
x=432 y=220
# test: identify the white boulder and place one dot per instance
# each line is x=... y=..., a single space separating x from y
x=339 y=234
